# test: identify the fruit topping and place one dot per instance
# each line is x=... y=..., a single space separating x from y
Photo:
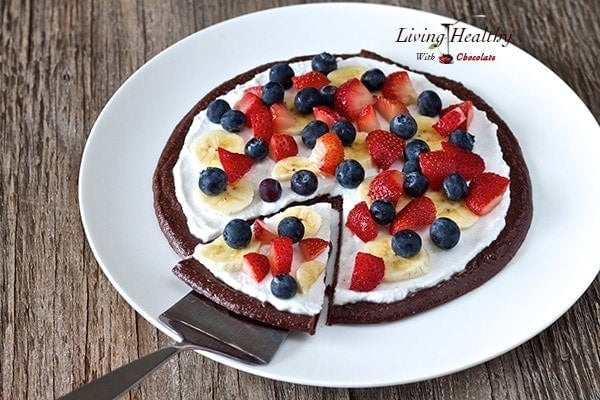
x=216 y=109
x=282 y=117
x=269 y=190
x=462 y=139
x=312 y=131
x=384 y=147
x=389 y=108
x=361 y=223
x=306 y=99
x=454 y=187
x=415 y=184
x=382 y=211
x=457 y=211
x=417 y=214
x=212 y=181
x=328 y=153
x=256 y=266
x=345 y=131
x=327 y=95
x=248 y=101
x=272 y=93
x=373 y=79
x=411 y=166
x=404 y=126
x=351 y=98
x=311 y=219
x=304 y=182
x=386 y=185
x=367 y=119
x=349 y=174
x=233 y=120
x=312 y=247
x=235 y=165
x=282 y=73
x=284 y=286
x=257 y=148
x=368 y=272
x=415 y=147
x=281 y=253
x=444 y=233
x=236 y=197
x=237 y=233
x=429 y=103
x=436 y=165
x=312 y=79
x=467 y=109
x=406 y=243
x=307 y=275
x=485 y=192
x=261 y=121
x=324 y=63
x=261 y=233
x=291 y=227
x=204 y=148
x=397 y=86
x=282 y=146
x=398 y=268
x=327 y=115
x=286 y=168
x=468 y=164
x=450 y=121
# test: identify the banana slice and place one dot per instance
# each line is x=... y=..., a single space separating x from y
x=358 y=151
x=341 y=75
x=426 y=132
x=284 y=169
x=307 y=274
x=219 y=254
x=455 y=210
x=234 y=198
x=398 y=268
x=301 y=122
x=310 y=219
x=205 y=147
x=363 y=189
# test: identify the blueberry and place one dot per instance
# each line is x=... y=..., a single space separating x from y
x=444 y=233
x=415 y=184
x=282 y=73
x=403 y=125
x=269 y=190
x=383 y=211
x=304 y=182
x=324 y=63
x=233 y=120
x=212 y=181
x=284 y=286
x=216 y=109
x=345 y=131
x=462 y=139
x=411 y=166
x=272 y=93
x=312 y=131
x=414 y=148
x=373 y=79
x=306 y=99
x=455 y=187
x=429 y=103
x=291 y=227
x=327 y=95
x=257 y=148
x=406 y=243
x=349 y=174
x=237 y=233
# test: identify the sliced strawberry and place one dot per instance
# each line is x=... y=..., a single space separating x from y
x=312 y=247
x=255 y=90
x=467 y=109
x=282 y=117
x=367 y=119
x=351 y=97
x=419 y=213
x=397 y=86
x=261 y=121
x=485 y=192
x=436 y=165
x=235 y=165
x=389 y=108
x=281 y=255
x=328 y=152
x=361 y=223
x=282 y=146
x=384 y=147
x=248 y=101
x=387 y=185
x=261 y=233
x=256 y=266
x=468 y=164
x=368 y=272
x=450 y=122
x=311 y=79
x=327 y=115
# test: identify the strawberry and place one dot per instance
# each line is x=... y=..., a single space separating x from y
x=386 y=185
x=327 y=115
x=261 y=233
x=261 y=121
x=384 y=147
x=351 y=97
x=248 y=101
x=282 y=117
x=417 y=214
x=361 y=223
x=282 y=146
x=311 y=79
x=328 y=152
x=389 y=108
x=281 y=254
x=255 y=90
x=312 y=247
x=485 y=192
x=436 y=165
x=256 y=265
x=397 y=86
x=235 y=165
x=368 y=272
x=467 y=109
x=367 y=119
x=450 y=122
x=468 y=164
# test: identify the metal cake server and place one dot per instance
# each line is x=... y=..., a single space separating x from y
x=203 y=325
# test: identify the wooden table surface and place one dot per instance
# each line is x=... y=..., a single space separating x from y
x=63 y=324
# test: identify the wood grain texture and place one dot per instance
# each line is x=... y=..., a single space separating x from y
x=61 y=322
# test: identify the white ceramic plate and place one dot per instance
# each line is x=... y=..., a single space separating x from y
x=559 y=137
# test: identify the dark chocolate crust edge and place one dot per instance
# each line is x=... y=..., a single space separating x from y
x=483 y=266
